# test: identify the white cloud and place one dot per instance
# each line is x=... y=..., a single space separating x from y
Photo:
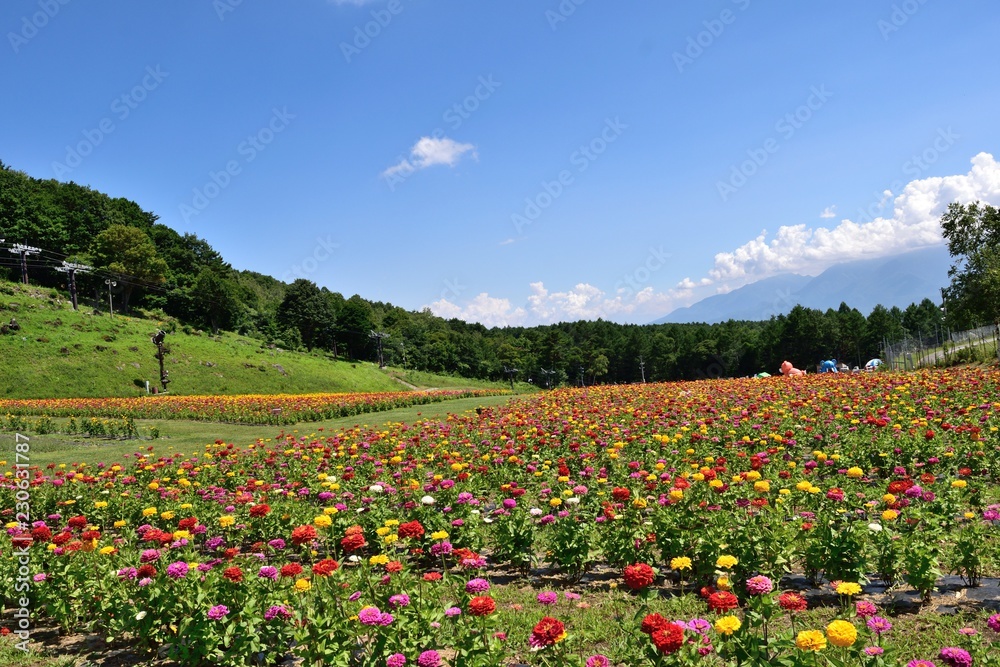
x=914 y=223
x=428 y=152
x=829 y=212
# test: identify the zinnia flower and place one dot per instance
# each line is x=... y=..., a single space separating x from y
x=429 y=658
x=476 y=586
x=726 y=562
x=955 y=657
x=370 y=616
x=218 y=611
x=879 y=625
x=680 y=563
x=759 y=585
x=727 y=625
x=482 y=605
x=598 y=660
x=841 y=633
x=810 y=640
x=848 y=588
x=395 y=660
x=792 y=601
x=639 y=576
x=722 y=601
x=669 y=639
x=547 y=632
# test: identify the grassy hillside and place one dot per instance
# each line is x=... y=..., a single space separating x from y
x=59 y=352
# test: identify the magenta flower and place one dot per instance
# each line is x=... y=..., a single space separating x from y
x=759 y=585
x=879 y=625
x=548 y=597
x=452 y=611
x=218 y=611
x=401 y=600
x=598 y=661
x=370 y=616
x=955 y=657
x=477 y=586
x=429 y=659
x=993 y=622
x=149 y=556
x=865 y=609
x=874 y=650
x=268 y=572
x=177 y=570
x=277 y=610
x=395 y=660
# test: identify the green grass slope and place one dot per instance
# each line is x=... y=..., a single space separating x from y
x=59 y=352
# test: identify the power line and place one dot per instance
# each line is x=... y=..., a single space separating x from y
x=24 y=251
x=72 y=269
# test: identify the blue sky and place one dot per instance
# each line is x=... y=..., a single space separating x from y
x=521 y=161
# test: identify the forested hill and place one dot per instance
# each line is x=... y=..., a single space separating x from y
x=158 y=269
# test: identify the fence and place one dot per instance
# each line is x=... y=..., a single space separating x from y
x=943 y=348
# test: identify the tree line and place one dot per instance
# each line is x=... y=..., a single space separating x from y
x=183 y=276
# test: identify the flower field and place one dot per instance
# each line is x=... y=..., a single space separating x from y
x=244 y=409
x=694 y=507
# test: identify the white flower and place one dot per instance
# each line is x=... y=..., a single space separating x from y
x=573 y=500
x=534 y=511
x=427 y=500
x=875 y=527
x=141 y=615
x=375 y=488
x=354 y=559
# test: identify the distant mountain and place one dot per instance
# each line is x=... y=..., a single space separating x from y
x=898 y=280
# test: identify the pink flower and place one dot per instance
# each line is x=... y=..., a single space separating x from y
x=429 y=659
x=395 y=660
x=218 y=611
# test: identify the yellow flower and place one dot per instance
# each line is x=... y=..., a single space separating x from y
x=380 y=559
x=182 y=535
x=639 y=503
x=969 y=515
x=848 y=588
x=841 y=633
x=107 y=551
x=120 y=524
x=890 y=515
x=153 y=486
x=555 y=502
x=680 y=563
x=959 y=484
x=810 y=640
x=439 y=535
x=167 y=516
x=227 y=520
x=727 y=625
x=322 y=521
x=391 y=538
x=803 y=486
x=726 y=562
x=149 y=511
x=753 y=476
x=855 y=472
x=100 y=504
x=676 y=494
x=382 y=531
x=302 y=585
x=762 y=487
x=330 y=510
x=889 y=498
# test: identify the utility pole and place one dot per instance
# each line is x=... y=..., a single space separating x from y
x=158 y=342
x=23 y=251
x=71 y=270
x=402 y=346
x=510 y=372
x=548 y=377
x=581 y=376
x=110 y=283
x=378 y=336
x=642 y=369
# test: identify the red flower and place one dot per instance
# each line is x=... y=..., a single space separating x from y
x=706 y=591
x=146 y=570
x=233 y=574
x=230 y=553
x=188 y=523
x=78 y=522
x=547 y=632
x=482 y=605
x=41 y=534
x=927 y=479
x=667 y=640
x=653 y=622
x=303 y=535
x=90 y=535
x=899 y=486
x=411 y=529
x=260 y=510
x=621 y=494
x=393 y=566
x=432 y=576
x=792 y=601
x=325 y=567
x=353 y=542
x=722 y=601
x=291 y=570
x=62 y=538
x=639 y=576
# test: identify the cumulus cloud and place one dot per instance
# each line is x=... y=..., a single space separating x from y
x=829 y=212
x=914 y=223
x=428 y=152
